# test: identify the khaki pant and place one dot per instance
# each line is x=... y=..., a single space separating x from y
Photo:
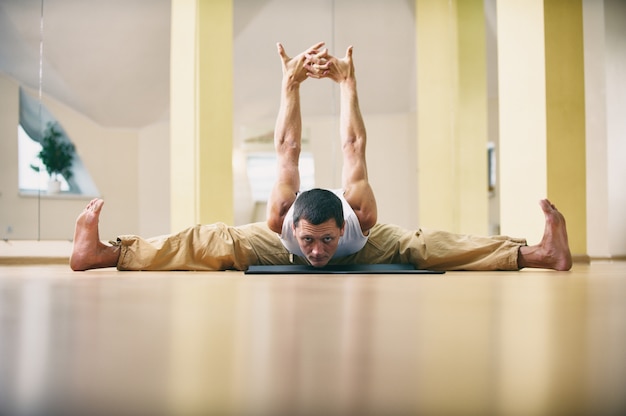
x=222 y=247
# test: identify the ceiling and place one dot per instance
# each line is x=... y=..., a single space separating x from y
x=109 y=59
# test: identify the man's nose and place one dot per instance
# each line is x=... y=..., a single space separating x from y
x=317 y=248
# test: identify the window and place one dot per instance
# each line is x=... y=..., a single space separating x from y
x=29 y=179
x=261 y=169
x=261 y=162
x=33 y=115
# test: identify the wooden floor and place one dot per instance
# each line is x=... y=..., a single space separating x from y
x=223 y=343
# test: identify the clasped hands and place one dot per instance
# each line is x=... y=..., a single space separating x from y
x=315 y=62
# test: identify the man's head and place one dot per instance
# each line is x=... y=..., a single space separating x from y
x=318 y=224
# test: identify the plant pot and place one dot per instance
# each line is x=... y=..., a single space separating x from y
x=54 y=186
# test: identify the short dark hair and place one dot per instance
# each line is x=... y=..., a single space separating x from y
x=317 y=206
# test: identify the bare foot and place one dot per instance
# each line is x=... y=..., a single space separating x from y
x=553 y=251
x=88 y=252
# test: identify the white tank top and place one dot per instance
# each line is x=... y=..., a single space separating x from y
x=352 y=240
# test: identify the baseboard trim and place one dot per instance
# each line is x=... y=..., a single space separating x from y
x=32 y=260
x=607 y=258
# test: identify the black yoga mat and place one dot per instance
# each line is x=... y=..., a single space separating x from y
x=340 y=269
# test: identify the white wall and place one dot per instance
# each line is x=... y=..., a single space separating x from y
x=605 y=100
x=391 y=164
x=154 y=180
x=596 y=129
x=615 y=24
x=522 y=97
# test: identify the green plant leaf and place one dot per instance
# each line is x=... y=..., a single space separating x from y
x=56 y=155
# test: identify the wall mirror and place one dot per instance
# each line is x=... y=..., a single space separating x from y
x=92 y=73
x=385 y=67
x=102 y=69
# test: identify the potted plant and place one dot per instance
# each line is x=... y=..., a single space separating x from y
x=57 y=156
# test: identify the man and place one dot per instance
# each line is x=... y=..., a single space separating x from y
x=317 y=227
x=328 y=236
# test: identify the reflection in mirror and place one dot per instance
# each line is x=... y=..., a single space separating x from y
x=258 y=26
x=99 y=71
x=382 y=33
x=108 y=86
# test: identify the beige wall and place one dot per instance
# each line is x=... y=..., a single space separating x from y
x=154 y=180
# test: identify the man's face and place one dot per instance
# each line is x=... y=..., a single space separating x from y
x=318 y=242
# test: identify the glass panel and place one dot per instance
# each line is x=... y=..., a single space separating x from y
x=107 y=86
x=20 y=42
x=382 y=32
x=383 y=35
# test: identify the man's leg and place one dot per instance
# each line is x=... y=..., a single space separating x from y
x=553 y=251
x=202 y=247
x=206 y=247
x=441 y=250
x=438 y=250
x=88 y=252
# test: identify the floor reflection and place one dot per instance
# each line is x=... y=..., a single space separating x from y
x=227 y=344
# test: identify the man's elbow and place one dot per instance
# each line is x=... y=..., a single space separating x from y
x=367 y=222
x=275 y=224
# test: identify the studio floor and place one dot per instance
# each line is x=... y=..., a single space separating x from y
x=534 y=342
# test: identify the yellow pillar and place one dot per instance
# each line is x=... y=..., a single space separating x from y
x=201 y=112
x=565 y=107
x=436 y=82
x=473 y=186
x=522 y=117
x=452 y=115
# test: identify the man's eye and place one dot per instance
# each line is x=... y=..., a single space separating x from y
x=328 y=239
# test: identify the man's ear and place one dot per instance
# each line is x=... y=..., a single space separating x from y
x=342 y=229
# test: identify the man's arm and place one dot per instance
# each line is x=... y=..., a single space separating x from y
x=357 y=189
x=287 y=136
